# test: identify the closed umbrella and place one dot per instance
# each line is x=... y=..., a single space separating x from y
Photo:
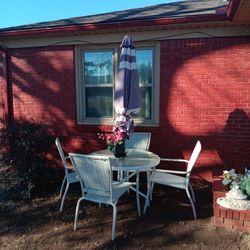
x=127 y=93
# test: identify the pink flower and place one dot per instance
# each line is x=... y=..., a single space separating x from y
x=117 y=136
x=120 y=136
x=111 y=138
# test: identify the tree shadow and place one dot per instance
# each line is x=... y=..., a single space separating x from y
x=233 y=144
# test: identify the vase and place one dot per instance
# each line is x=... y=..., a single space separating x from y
x=119 y=149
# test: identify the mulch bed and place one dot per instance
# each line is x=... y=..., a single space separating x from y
x=168 y=223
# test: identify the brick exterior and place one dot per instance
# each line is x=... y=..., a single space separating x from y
x=205 y=87
x=43 y=85
x=204 y=94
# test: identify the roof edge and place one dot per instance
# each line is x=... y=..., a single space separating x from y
x=227 y=16
x=124 y=24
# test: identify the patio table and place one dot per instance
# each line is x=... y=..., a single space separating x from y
x=136 y=161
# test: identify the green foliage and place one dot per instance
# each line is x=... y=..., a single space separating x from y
x=231 y=179
x=245 y=186
x=27 y=145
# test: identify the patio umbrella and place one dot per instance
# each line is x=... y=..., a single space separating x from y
x=127 y=93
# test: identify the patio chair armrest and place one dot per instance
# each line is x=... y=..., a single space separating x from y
x=171 y=171
x=69 y=167
x=175 y=160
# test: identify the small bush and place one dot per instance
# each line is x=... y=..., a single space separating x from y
x=27 y=144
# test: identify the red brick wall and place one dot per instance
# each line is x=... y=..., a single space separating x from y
x=43 y=85
x=204 y=94
x=205 y=86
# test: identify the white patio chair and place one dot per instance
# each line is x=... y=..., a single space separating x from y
x=139 y=140
x=95 y=174
x=70 y=175
x=177 y=179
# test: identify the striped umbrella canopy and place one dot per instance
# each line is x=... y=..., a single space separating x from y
x=127 y=93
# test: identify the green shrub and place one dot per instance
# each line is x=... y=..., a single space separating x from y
x=27 y=144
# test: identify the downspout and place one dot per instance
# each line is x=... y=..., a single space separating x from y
x=7 y=88
x=232 y=8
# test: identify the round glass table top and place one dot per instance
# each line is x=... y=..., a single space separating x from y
x=135 y=159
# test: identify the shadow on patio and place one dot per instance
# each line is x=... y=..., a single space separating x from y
x=167 y=224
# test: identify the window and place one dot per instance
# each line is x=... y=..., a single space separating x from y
x=97 y=69
x=144 y=59
x=98 y=79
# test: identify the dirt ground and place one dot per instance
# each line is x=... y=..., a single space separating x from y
x=168 y=223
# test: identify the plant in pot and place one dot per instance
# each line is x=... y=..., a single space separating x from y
x=115 y=142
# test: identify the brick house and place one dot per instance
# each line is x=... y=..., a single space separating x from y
x=194 y=65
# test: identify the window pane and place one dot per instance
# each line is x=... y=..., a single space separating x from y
x=144 y=59
x=98 y=67
x=146 y=99
x=99 y=102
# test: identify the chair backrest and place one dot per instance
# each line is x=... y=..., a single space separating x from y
x=194 y=156
x=139 y=140
x=63 y=158
x=94 y=172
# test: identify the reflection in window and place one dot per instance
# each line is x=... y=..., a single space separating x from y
x=98 y=67
x=144 y=59
x=98 y=70
x=146 y=99
x=99 y=102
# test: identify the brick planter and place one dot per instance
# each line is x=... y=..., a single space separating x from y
x=225 y=217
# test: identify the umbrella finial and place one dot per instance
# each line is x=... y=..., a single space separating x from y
x=127 y=42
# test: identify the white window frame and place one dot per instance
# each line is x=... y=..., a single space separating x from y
x=80 y=89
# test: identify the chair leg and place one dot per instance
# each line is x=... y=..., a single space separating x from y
x=126 y=174
x=146 y=202
x=61 y=189
x=148 y=188
x=151 y=184
x=192 y=204
x=64 y=195
x=151 y=190
x=114 y=220
x=82 y=188
x=120 y=175
x=148 y=193
x=137 y=194
x=192 y=191
x=76 y=213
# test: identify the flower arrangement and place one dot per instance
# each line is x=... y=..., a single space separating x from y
x=115 y=141
x=232 y=179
